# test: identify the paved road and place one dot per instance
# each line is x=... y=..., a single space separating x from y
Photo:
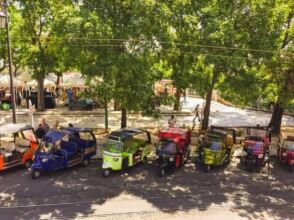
x=81 y=193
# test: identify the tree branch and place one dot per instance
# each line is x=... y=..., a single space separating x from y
x=286 y=39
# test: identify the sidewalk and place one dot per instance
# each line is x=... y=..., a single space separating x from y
x=220 y=115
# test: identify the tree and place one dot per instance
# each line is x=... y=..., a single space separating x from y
x=124 y=53
x=39 y=47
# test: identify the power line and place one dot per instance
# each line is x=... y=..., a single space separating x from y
x=160 y=49
x=155 y=41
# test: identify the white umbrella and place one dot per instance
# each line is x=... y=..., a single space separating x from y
x=73 y=79
x=47 y=83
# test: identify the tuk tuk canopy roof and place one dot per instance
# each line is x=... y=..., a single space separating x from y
x=124 y=133
x=13 y=128
x=74 y=129
x=173 y=133
x=54 y=135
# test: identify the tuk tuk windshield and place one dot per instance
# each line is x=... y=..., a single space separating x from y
x=29 y=135
x=45 y=147
x=289 y=145
x=168 y=146
x=255 y=146
x=114 y=146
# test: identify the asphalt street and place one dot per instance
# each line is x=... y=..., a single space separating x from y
x=139 y=193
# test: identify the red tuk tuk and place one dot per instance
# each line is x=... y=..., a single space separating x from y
x=172 y=149
x=18 y=144
x=256 y=147
x=286 y=152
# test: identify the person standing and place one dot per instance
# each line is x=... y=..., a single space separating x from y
x=70 y=96
x=42 y=129
x=172 y=121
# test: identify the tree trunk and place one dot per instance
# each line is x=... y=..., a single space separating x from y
x=123 y=118
x=106 y=115
x=116 y=106
x=276 y=120
x=178 y=98
x=58 y=80
x=41 y=104
x=206 y=111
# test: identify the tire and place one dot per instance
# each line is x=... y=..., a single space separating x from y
x=186 y=158
x=291 y=168
x=86 y=162
x=161 y=172
x=36 y=174
x=106 y=172
x=207 y=168
x=28 y=163
x=145 y=160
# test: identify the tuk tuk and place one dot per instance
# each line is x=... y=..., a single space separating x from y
x=63 y=149
x=125 y=148
x=255 y=152
x=286 y=152
x=216 y=147
x=18 y=144
x=173 y=149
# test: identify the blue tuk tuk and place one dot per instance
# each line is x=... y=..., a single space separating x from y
x=63 y=149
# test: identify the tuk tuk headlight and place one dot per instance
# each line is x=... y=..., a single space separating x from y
x=260 y=156
x=44 y=160
x=284 y=154
x=244 y=153
x=171 y=159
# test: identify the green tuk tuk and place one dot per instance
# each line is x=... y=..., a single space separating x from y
x=216 y=147
x=125 y=148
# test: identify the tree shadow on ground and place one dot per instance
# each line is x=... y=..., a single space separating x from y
x=81 y=192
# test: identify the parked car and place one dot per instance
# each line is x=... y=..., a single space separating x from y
x=18 y=144
x=173 y=149
x=216 y=147
x=125 y=148
x=286 y=152
x=63 y=149
x=82 y=104
x=256 y=147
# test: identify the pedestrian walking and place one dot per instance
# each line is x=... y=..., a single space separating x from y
x=197 y=115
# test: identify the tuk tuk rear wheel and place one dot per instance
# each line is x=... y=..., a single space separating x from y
x=106 y=172
x=291 y=168
x=36 y=174
x=162 y=172
x=86 y=162
x=28 y=164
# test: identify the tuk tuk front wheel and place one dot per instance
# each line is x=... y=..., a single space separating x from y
x=161 y=172
x=291 y=168
x=106 y=172
x=36 y=174
x=28 y=164
x=207 y=168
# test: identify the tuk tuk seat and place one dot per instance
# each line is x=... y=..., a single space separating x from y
x=80 y=142
x=6 y=154
x=70 y=147
x=9 y=146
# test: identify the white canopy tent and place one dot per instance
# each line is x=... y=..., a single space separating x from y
x=72 y=79
x=5 y=81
